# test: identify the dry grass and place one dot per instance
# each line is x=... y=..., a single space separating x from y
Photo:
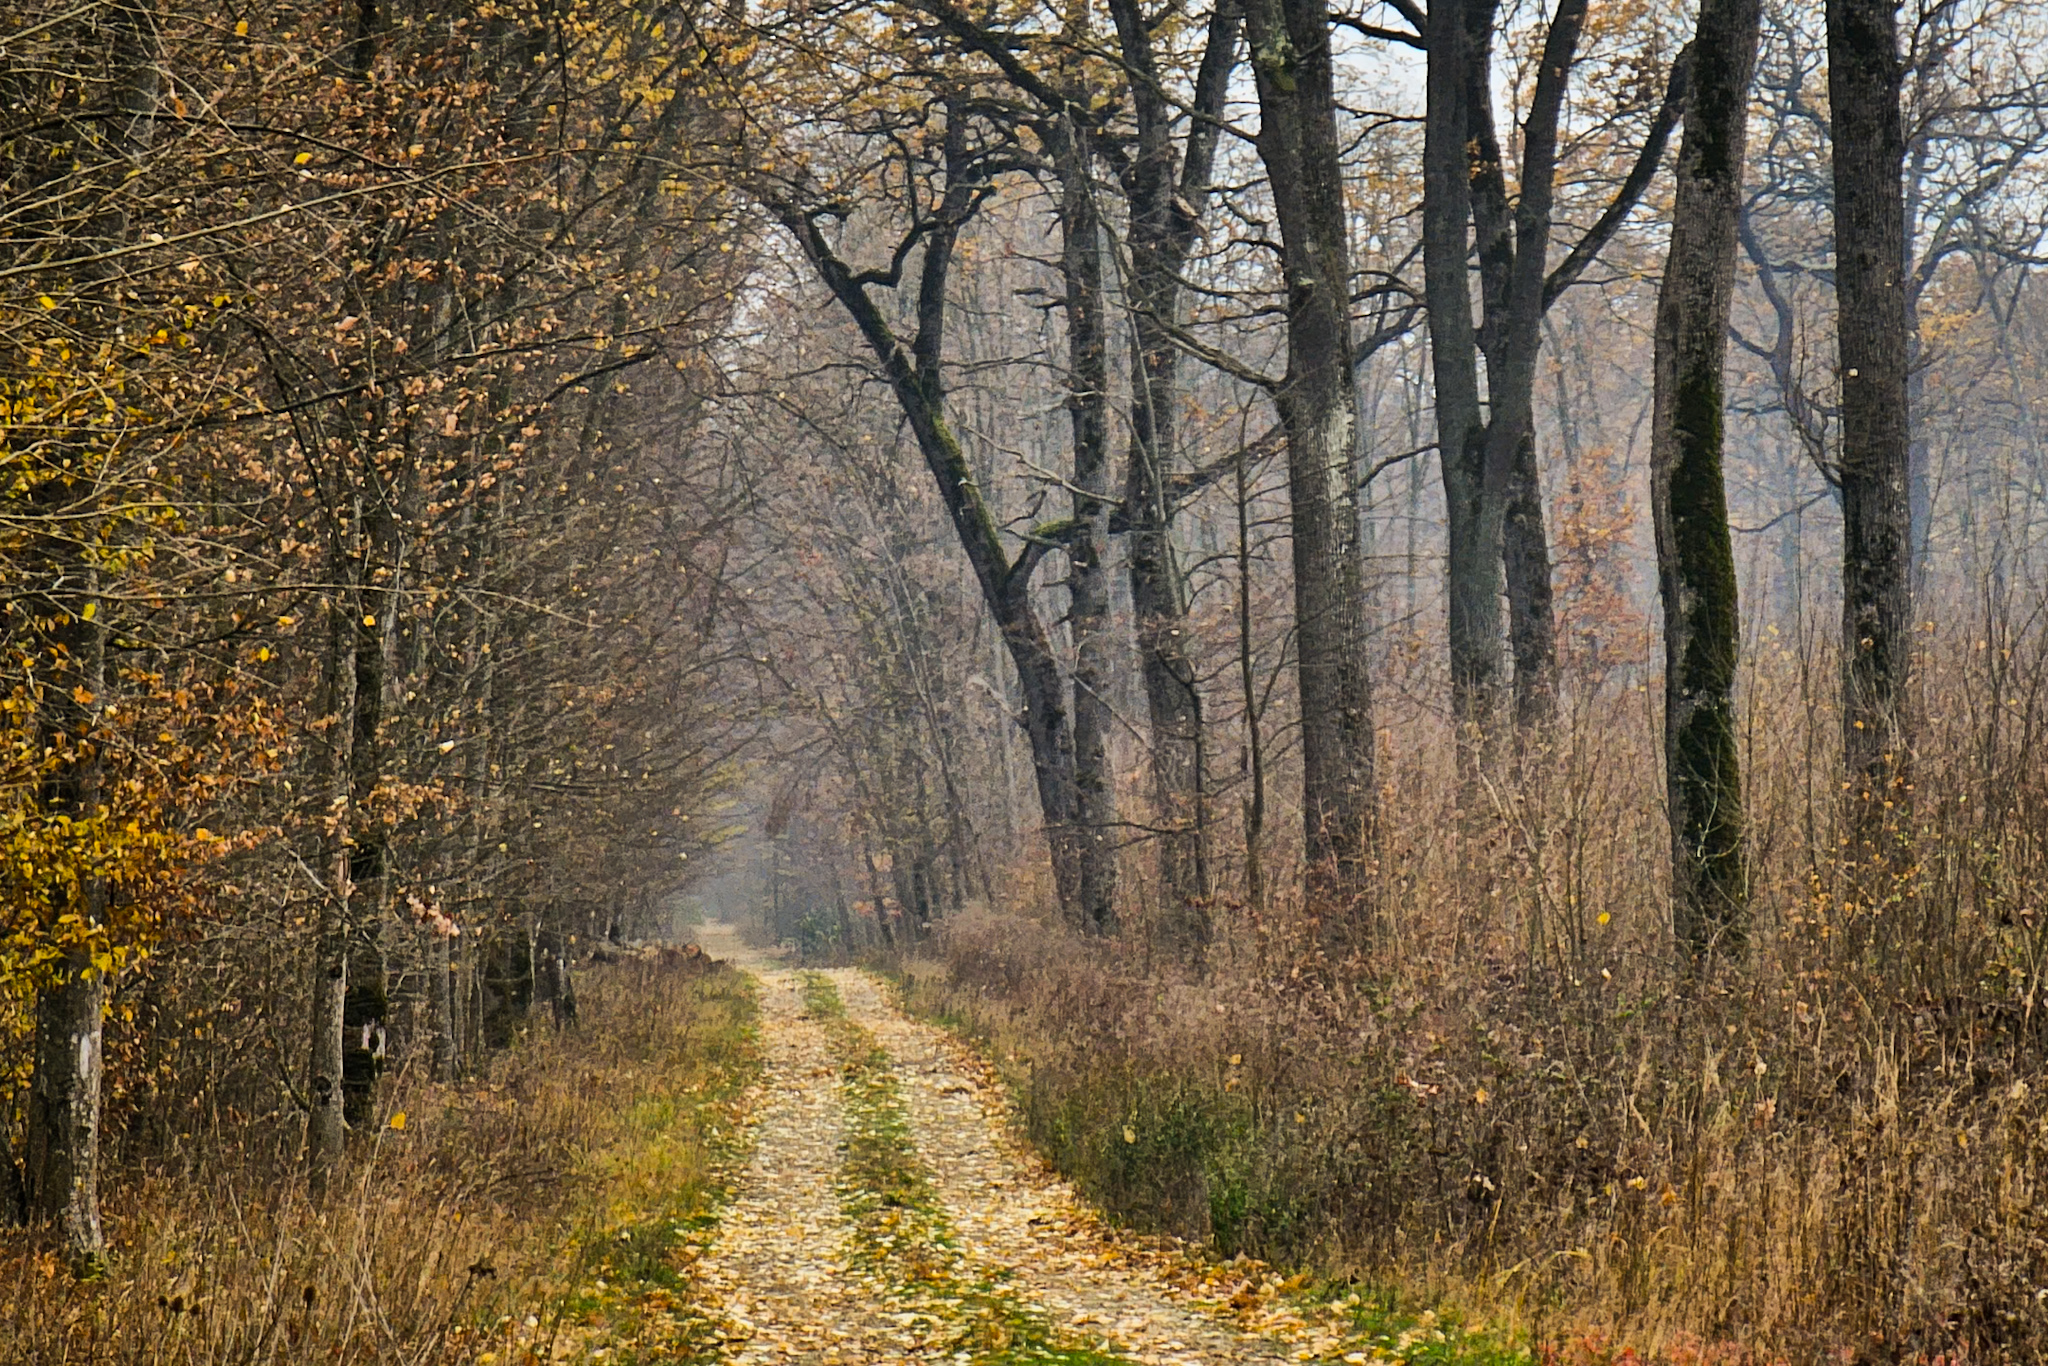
x=542 y=1208
x=1836 y=1149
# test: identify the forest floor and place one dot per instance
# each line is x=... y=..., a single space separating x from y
x=887 y=1213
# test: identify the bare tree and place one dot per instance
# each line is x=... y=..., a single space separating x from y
x=1695 y=557
x=1492 y=489
x=1318 y=402
x=1166 y=205
x=1864 y=80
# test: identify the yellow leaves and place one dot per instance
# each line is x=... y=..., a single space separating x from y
x=398 y=1120
x=89 y=611
x=302 y=158
x=46 y=301
x=241 y=28
x=1130 y=1134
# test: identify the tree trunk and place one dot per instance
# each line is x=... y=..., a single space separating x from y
x=63 y=1129
x=441 y=1015
x=557 y=985
x=1473 y=574
x=1864 y=76
x=61 y=1172
x=1165 y=210
x=1318 y=402
x=366 y=1002
x=326 y=1128
x=1492 y=482
x=914 y=373
x=1514 y=245
x=1254 y=731
x=1532 y=616
x=1695 y=553
x=1088 y=545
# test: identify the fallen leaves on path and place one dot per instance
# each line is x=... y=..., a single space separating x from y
x=985 y=1242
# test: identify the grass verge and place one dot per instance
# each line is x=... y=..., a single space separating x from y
x=550 y=1208
x=1165 y=1146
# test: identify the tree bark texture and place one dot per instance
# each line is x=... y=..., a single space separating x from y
x=1532 y=613
x=1492 y=478
x=366 y=1002
x=1318 y=402
x=441 y=1014
x=1165 y=212
x=1472 y=567
x=1088 y=612
x=63 y=1115
x=1695 y=553
x=1514 y=241
x=62 y=1166
x=326 y=1129
x=1864 y=75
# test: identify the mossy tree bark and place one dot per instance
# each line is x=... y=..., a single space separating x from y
x=1864 y=77
x=1318 y=402
x=1695 y=554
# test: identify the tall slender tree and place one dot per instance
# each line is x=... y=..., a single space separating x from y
x=1318 y=402
x=1497 y=543
x=1166 y=203
x=1695 y=556
x=1084 y=267
x=1869 y=154
x=70 y=647
x=966 y=162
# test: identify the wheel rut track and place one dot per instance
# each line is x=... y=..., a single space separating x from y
x=779 y=1265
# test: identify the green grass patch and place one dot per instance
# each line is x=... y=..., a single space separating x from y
x=1388 y=1325
x=667 y=1176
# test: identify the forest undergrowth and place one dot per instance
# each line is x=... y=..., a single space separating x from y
x=1510 y=1097
x=553 y=1203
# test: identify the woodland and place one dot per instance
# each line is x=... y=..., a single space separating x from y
x=1428 y=622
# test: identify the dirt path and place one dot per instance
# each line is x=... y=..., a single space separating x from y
x=776 y=1268
x=781 y=1262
